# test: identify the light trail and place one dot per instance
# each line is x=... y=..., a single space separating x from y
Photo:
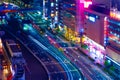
x=70 y=77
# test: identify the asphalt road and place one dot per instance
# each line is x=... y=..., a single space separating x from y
x=34 y=69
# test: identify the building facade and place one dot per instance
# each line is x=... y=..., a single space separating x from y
x=101 y=25
x=68 y=19
x=94 y=33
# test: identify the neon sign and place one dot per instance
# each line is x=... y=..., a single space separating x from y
x=87 y=3
x=105 y=31
x=91 y=18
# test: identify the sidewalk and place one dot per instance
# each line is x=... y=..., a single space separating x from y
x=115 y=56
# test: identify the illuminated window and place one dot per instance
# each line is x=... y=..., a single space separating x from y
x=52 y=4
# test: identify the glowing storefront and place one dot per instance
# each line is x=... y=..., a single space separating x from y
x=95 y=51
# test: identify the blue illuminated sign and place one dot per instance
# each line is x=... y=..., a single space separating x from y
x=91 y=18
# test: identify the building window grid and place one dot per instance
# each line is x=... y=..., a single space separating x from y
x=115 y=31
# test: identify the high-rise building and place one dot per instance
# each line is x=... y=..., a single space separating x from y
x=101 y=25
x=68 y=19
x=54 y=12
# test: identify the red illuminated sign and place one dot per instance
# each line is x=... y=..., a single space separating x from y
x=87 y=3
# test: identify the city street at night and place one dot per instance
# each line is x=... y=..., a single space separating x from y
x=59 y=39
